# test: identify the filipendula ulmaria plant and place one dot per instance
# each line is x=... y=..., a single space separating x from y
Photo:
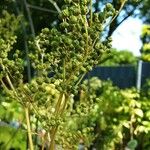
x=67 y=53
x=11 y=64
x=60 y=57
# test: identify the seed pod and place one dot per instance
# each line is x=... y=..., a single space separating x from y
x=65 y=13
x=54 y=31
x=83 y=69
x=67 y=1
x=82 y=43
x=85 y=36
x=78 y=27
x=96 y=17
x=84 y=10
x=64 y=25
x=39 y=81
x=73 y=19
x=109 y=7
x=109 y=14
x=68 y=41
x=99 y=27
x=54 y=43
x=77 y=11
x=98 y=45
x=84 y=2
x=45 y=30
x=89 y=68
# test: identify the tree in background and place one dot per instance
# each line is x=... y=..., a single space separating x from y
x=60 y=56
x=44 y=14
x=135 y=8
x=145 y=11
x=33 y=93
x=38 y=14
x=115 y=58
x=145 y=37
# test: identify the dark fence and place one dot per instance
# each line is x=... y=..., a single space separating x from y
x=145 y=72
x=121 y=76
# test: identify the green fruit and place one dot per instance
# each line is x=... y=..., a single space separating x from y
x=65 y=13
x=64 y=25
x=73 y=19
x=76 y=11
x=67 y=1
x=84 y=10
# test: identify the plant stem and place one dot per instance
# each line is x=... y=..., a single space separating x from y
x=80 y=79
x=55 y=5
x=54 y=129
x=59 y=103
x=121 y=7
x=29 y=18
x=53 y=134
x=29 y=128
x=44 y=141
x=91 y=14
x=131 y=126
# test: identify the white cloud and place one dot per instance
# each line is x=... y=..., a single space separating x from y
x=127 y=36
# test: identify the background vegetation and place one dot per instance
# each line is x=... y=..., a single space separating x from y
x=99 y=114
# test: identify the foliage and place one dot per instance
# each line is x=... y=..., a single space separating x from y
x=39 y=15
x=136 y=8
x=8 y=26
x=145 y=11
x=115 y=58
x=67 y=52
x=12 y=138
x=10 y=111
x=121 y=116
x=145 y=51
x=61 y=56
x=44 y=11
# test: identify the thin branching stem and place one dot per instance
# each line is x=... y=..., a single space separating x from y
x=54 y=129
x=25 y=41
x=91 y=14
x=55 y=5
x=29 y=128
x=29 y=18
x=121 y=7
x=80 y=79
x=41 y=9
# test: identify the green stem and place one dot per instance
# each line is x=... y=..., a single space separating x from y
x=121 y=7
x=53 y=134
x=64 y=69
x=54 y=129
x=44 y=141
x=64 y=104
x=29 y=128
x=80 y=79
x=131 y=126
x=29 y=18
x=59 y=103
x=91 y=14
x=55 y=5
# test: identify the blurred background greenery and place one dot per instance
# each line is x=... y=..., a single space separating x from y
x=120 y=118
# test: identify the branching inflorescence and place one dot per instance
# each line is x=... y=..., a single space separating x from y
x=60 y=56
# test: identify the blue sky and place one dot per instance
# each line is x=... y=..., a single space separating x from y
x=127 y=36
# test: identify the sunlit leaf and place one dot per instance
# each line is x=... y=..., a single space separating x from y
x=138 y=112
x=126 y=124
